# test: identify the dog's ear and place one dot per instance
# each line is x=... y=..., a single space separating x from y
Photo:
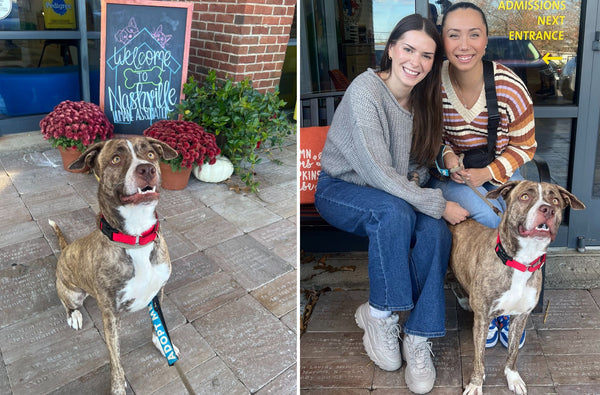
x=164 y=150
x=503 y=190
x=88 y=157
x=570 y=199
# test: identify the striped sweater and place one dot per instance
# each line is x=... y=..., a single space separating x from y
x=466 y=129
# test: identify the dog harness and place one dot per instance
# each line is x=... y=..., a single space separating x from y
x=147 y=237
x=510 y=262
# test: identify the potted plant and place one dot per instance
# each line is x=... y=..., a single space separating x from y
x=195 y=147
x=244 y=120
x=72 y=126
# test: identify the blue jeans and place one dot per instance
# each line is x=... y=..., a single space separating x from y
x=408 y=250
x=464 y=195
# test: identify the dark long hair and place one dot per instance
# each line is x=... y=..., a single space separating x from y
x=465 y=5
x=426 y=96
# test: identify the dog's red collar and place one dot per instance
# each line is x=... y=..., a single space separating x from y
x=510 y=262
x=147 y=237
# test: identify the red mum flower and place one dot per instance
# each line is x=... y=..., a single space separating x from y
x=76 y=124
x=187 y=138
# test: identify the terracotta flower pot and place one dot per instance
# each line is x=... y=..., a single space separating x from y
x=69 y=155
x=174 y=180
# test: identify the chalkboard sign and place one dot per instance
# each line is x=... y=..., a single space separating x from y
x=143 y=60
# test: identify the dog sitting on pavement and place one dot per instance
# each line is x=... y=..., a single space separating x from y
x=124 y=263
x=497 y=268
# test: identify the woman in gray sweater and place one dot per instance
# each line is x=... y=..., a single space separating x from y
x=384 y=137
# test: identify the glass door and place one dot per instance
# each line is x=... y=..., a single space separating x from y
x=584 y=226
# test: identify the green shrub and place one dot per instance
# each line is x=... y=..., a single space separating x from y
x=244 y=120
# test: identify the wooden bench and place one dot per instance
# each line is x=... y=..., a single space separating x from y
x=316 y=234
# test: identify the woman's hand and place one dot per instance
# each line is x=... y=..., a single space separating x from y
x=475 y=177
x=451 y=160
x=456 y=177
x=454 y=213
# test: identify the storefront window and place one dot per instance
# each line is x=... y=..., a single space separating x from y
x=40 y=15
x=553 y=136
x=345 y=38
x=36 y=74
x=93 y=16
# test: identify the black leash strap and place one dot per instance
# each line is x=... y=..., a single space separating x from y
x=492 y=107
x=493 y=122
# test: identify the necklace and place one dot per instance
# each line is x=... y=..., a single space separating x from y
x=461 y=97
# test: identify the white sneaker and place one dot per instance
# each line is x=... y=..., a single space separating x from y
x=380 y=338
x=419 y=373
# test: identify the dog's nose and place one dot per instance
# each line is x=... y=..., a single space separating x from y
x=146 y=171
x=547 y=210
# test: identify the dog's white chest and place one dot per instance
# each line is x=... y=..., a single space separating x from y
x=519 y=298
x=148 y=279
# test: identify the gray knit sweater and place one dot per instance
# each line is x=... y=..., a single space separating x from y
x=369 y=142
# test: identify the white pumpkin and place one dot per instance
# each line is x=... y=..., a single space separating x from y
x=221 y=170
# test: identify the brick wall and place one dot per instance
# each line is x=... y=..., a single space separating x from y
x=241 y=38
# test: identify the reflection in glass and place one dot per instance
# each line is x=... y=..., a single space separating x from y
x=553 y=136
x=344 y=38
x=36 y=75
x=93 y=16
x=525 y=60
x=566 y=82
x=40 y=15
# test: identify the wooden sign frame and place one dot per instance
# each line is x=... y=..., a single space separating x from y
x=144 y=57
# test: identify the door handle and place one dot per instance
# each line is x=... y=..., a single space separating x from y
x=596 y=43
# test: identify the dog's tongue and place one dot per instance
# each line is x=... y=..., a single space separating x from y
x=541 y=231
x=140 y=197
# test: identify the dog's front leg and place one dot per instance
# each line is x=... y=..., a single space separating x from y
x=515 y=382
x=480 y=326
x=111 y=336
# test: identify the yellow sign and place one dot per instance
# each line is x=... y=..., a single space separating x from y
x=59 y=14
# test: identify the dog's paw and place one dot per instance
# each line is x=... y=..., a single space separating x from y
x=473 y=389
x=156 y=343
x=118 y=388
x=75 y=320
x=464 y=304
x=515 y=382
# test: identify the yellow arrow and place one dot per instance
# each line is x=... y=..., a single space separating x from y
x=547 y=58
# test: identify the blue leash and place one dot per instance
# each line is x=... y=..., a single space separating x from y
x=160 y=327
x=161 y=331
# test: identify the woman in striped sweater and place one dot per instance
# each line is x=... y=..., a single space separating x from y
x=464 y=33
